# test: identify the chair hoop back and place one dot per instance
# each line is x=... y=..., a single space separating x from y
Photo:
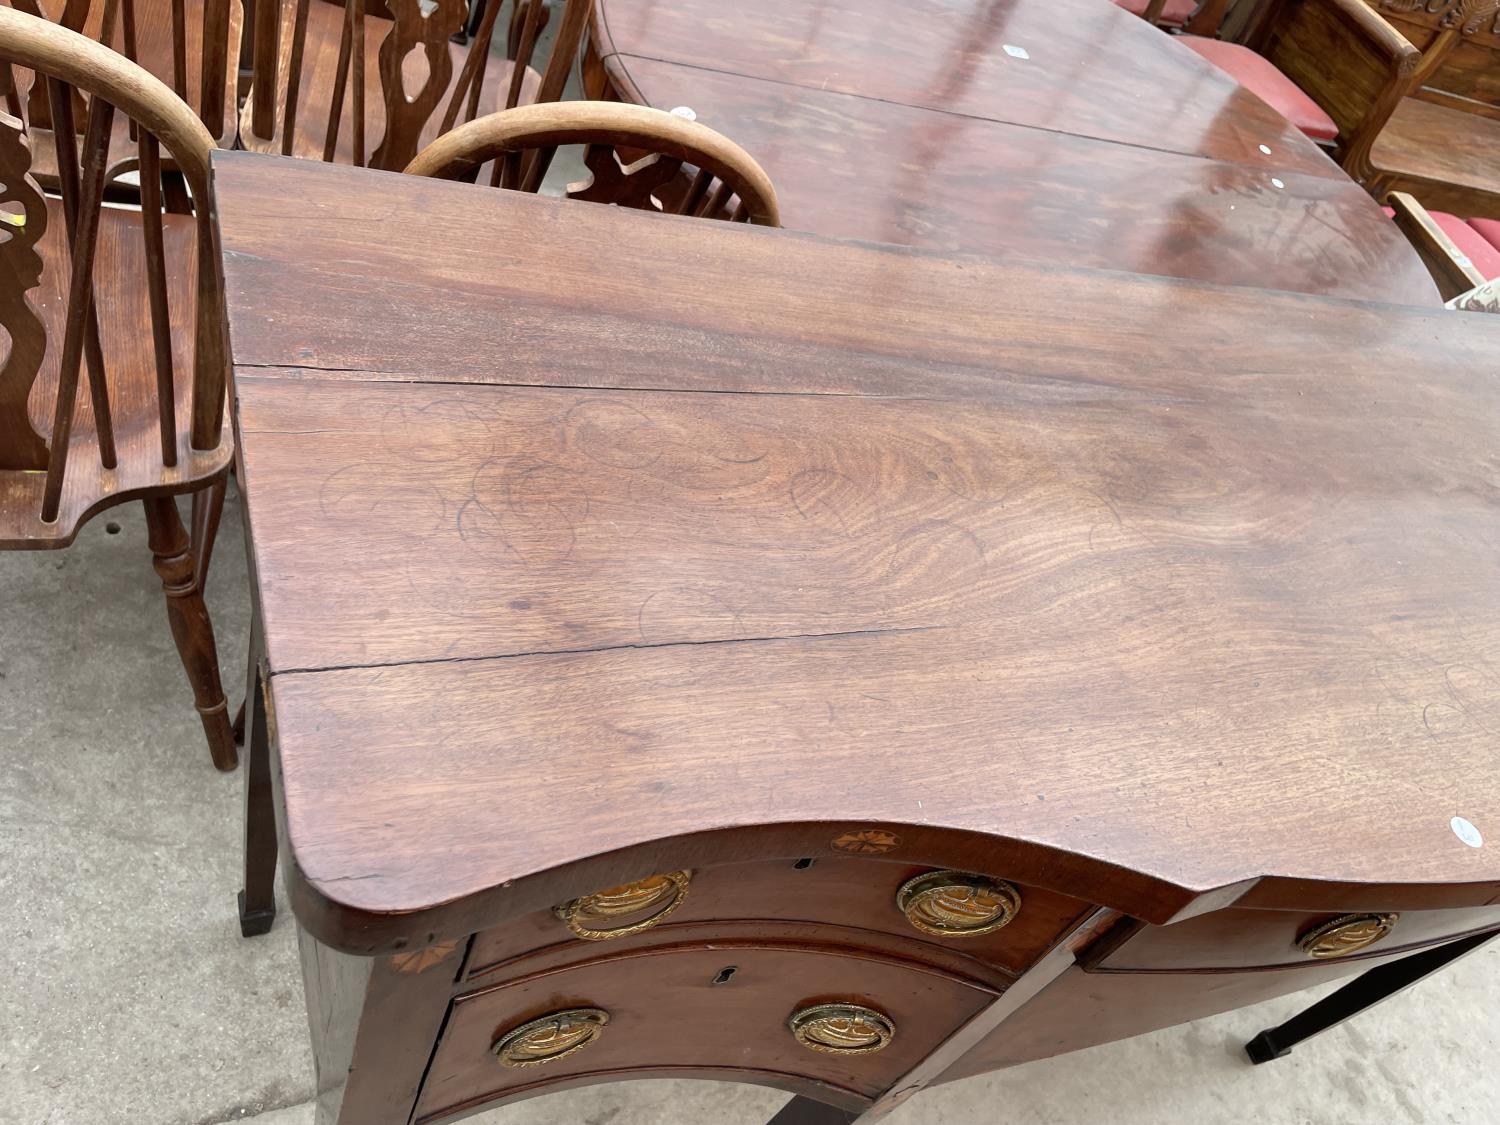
x=603 y=125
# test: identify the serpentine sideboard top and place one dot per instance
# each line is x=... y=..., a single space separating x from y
x=604 y=544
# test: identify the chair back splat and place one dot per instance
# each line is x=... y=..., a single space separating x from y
x=342 y=83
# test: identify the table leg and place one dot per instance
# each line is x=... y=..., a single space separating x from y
x=806 y=1111
x=258 y=899
x=374 y=1021
x=1364 y=991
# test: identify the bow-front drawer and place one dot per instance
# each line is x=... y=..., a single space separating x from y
x=972 y=923
x=1249 y=939
x=843 y=1023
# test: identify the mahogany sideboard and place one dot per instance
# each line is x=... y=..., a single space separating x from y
x=695 y=650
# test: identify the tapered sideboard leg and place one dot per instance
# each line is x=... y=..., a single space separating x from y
x=258 y=898
x=1364 y=991
x=806 y=1111
x=374 y=1021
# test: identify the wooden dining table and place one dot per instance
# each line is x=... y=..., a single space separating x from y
x=1060 y=131
x=702 y=650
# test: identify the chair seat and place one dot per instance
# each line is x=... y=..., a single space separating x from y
x=1444 y=156
x=1489 y=230
x=1261 y=78
x=319 y=70
x=1476 y=239
x=1176 y=12
x=130 y=365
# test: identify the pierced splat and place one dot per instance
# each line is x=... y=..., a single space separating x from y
x=23 y=221
x=611 y=180
x=1465 y=17
x=424 y=26
x=1448 y=23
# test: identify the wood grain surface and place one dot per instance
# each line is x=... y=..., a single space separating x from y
x=1069 y=132
x=663 y=543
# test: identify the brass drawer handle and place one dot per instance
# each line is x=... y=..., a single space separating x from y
x=1348 y=934
x=550 y=1038
x=953 y=904
x=588 y=917
x=842 y=1029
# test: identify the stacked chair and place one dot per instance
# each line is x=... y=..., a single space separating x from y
x=1404 y=95
x=115 y=374
x=1394 y=115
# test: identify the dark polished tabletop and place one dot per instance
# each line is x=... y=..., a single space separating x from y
x=684 y=526
x=1064 y=131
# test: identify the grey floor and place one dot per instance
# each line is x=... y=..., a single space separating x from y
x=130 y=997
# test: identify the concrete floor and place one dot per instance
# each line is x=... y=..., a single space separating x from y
x=131 y=998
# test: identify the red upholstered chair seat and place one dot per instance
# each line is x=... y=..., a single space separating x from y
x=1174 y=11
x=1262 y=79
x=1489 y=228
x=1476 y=239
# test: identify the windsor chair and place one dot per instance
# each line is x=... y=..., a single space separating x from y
x=188 y=44
x=127 y=302
x=636 y=156
x=338 y=83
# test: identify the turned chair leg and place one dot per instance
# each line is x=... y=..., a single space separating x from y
x=1364 y=991
x=172 y=556
x=258 y=899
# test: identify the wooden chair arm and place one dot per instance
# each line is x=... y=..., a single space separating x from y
x=1347 y=59
x=628 y=126
x=1374 y=29
x=1450 y=268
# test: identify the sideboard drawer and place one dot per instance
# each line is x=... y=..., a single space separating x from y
x=721 y=1010
x=853 y=895
x=1248 y=939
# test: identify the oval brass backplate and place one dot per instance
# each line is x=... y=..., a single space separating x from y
x=955 y=904
x=550 y=1038
x=842 y=1029
x=589 y=917
x=1348 y=934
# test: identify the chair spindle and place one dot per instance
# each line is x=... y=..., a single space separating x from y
x=340 y=86
x=293 y=79
x=695 y=193
x=156 y=287
x=714 y=202
x=266 y=48
x=523 y=52
x=85 y=232
x=536 y=168
x=179 y=47
x=358 y=8
x=65 y=146
x=471 y=78
x=213 y=61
